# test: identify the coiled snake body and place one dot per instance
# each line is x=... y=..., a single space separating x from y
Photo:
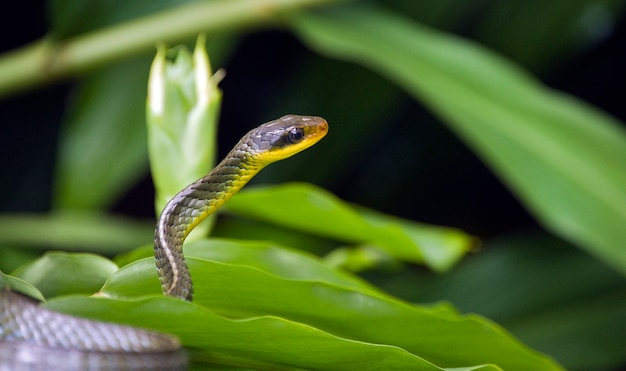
x=34 y=338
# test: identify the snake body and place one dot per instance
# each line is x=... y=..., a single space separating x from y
x=35 y=338
x=267 y=143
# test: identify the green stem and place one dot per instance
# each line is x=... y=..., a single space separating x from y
x=84 y=231
x=47 y=60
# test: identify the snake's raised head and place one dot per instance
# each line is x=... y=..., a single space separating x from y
x=285 y=137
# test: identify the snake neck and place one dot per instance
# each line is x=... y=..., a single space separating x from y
x=188 y=208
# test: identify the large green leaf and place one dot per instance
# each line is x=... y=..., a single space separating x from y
x=262 y=343
x=266 y=343
x=565 y=160
x=263 y=255
x=277 y=260
x=311 y=209
x=260 y=305
x=336 y=307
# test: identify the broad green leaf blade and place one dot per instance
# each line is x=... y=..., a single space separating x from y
x=565 y=160
x=240 y=292
x=266 y=256
x=266 y=343
x=276 y=260
x=57 y=273
x=322 y=213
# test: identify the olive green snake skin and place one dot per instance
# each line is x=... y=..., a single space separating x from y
x=35 y=338
x=270 y=142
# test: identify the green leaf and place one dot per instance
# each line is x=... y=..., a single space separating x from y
x=266 y=256
x=57 y=273
x=16 y=284
x=349 y=312
x=565 y=160
x=274 y=259
x=319 y=212
x=266 y=343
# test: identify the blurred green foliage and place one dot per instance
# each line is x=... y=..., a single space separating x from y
x=563 y=159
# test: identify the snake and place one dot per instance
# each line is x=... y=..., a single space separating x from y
x=36 y=338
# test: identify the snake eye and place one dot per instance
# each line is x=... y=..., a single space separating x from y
x=295 y=135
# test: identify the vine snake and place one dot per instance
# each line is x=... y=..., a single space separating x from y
x=268 y=143
x=35 y=338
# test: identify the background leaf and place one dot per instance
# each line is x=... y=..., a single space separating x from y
x=265 y=343
x=565 y=160
x=108 y=115
x=321 y=213
x=85 y=231
x=545 y=291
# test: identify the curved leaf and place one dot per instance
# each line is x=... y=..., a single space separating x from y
x=565 y=160
x=240 y=292
x=16 y=284
x=322 y=213
x=267 y=343
x=276 y=260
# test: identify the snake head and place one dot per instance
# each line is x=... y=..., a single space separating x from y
x=284 y=137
